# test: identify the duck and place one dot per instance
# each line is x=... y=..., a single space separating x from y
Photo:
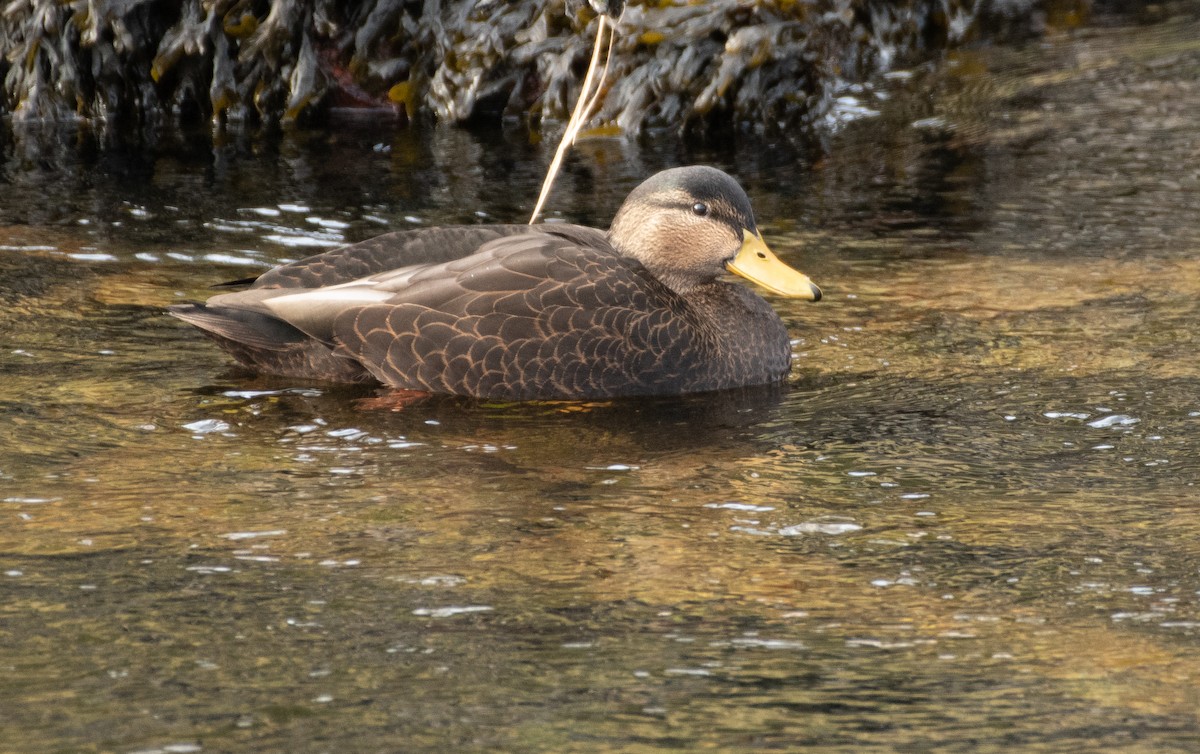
x=531 y=312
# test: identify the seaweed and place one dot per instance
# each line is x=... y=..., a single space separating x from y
x=685 y=65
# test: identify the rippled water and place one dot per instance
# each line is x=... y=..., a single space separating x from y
x=970 y=523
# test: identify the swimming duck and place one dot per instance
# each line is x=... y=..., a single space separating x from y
x=531 y=312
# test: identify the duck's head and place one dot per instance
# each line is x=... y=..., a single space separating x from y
x=688 y=225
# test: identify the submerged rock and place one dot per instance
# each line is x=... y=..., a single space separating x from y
x=773 y=65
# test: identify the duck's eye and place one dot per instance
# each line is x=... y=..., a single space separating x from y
x=700 y=208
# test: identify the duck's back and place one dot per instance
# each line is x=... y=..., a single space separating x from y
x=507 y=311
x=401 y=248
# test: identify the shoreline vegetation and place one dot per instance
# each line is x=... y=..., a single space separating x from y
x=690 y=67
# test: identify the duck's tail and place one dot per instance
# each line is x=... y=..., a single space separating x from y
x=266 y=344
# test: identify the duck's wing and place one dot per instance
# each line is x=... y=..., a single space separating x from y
x=403 y=248
x=537 y=315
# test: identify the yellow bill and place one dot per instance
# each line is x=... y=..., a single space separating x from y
x=758 y=264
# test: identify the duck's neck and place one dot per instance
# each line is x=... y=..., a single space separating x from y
x=681 y=280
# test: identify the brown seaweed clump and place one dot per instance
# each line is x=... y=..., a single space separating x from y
x=771 y=64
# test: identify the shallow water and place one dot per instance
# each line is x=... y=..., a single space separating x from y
x=970 y=522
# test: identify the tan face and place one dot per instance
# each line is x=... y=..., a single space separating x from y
x=687 y=238
x=676 y=242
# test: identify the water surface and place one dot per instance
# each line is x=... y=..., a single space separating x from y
x=969 y=523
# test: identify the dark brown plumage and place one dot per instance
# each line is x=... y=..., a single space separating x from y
x=523 y=312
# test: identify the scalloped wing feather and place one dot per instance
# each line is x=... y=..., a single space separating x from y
x=543 y=318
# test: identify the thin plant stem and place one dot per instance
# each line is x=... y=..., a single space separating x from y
x=582 y=107
x=591 y=105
